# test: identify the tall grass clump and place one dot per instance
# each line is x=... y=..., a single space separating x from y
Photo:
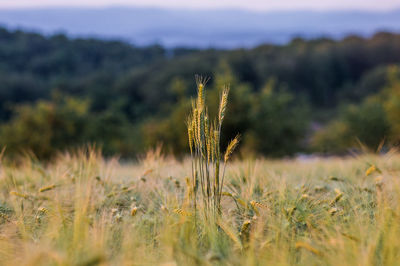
x=204 y=137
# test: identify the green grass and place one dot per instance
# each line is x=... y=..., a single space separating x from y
x=283 y=212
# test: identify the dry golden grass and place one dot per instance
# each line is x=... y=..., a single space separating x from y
x=280 y=212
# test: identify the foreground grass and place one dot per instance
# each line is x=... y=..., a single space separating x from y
x=83 y=210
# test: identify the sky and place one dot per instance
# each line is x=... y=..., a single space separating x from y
x=373 y=5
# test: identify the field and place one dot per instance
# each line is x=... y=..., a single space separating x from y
x=145 y=150
x=84 y=210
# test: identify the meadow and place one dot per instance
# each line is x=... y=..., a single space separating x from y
x=82 y=209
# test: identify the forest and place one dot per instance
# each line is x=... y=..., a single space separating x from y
x=308 y=96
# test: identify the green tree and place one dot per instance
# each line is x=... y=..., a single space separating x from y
x=278 y=122
x=46 y=127
x=374 y=120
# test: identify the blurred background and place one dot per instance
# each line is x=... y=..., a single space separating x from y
x=306 y=77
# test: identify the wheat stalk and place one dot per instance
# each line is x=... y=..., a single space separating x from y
x=204 y=143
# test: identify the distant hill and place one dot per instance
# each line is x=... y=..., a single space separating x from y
x=204 y=28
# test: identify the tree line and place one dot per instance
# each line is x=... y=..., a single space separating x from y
x=321 y=95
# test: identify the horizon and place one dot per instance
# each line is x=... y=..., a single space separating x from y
x=240 y=27
x=252 y=5
x=203 y=9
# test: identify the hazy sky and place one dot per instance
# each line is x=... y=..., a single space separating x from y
x=207 y=4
